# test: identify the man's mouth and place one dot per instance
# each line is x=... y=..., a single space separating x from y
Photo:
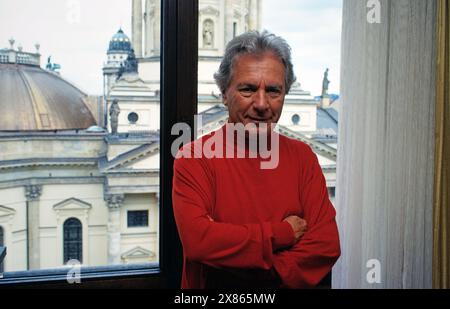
x=255 y=119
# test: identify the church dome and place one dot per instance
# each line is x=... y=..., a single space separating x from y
x=120 y=43
x=33 y=99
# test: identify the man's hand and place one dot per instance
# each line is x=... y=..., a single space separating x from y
x=299 y=226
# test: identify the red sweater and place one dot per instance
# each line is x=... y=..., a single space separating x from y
x=229 y=215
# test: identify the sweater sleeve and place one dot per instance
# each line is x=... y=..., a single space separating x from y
x=306 y=263
x=218 y=244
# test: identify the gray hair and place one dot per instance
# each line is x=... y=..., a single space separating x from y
x=254 y=42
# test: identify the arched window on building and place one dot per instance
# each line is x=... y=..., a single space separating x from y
x=73 y=240
x=1 y=245
x=208 y=34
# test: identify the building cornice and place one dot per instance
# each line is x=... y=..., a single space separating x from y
x=51 y=181
x=47 y=162
x=58 y=135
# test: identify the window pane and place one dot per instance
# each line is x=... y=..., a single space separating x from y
x=79 y=132
x=73 y=240
x=138 y=218
x=312 y=29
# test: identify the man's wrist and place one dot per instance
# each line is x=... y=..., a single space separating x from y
x=283 y=235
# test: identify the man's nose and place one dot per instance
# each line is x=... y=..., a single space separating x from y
x=260 y=101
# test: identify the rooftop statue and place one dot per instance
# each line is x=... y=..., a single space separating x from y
x=325 y=83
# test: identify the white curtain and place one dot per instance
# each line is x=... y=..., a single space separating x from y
x=386 y=144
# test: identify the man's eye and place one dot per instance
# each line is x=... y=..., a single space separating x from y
x=246 y=91
x=274 y=92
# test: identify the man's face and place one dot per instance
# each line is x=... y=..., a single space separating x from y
x=257 y=89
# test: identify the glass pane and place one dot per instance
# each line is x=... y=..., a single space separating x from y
x=79 y=132
x=73 y=240
x=138 y=218
x=313 y=30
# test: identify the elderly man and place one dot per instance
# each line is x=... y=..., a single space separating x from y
x=241 y=225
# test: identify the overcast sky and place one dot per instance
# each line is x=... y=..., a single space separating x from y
x=76 y=34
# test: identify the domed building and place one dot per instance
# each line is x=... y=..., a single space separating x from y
x=68 y=190
x=118 y=51
x=120 y=43
x=33 y=99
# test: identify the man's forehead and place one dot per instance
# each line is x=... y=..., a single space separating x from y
x=244 y=71
x=246 y=58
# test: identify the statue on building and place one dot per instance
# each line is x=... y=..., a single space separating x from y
x=52 y=66
x=325 y=83
x=130 y=65
x=114 y=112
x=208 y=33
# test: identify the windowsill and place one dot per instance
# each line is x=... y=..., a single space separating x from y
x=139 y=231
x=59 y=275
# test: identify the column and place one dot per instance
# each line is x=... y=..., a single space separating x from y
x=136 y=34
x=253 y=15
x=259 y=14
x=148 y=28
x=229 y=14
x=384 y=186
x=157 y=29
x=114 y=203
x=32 y=195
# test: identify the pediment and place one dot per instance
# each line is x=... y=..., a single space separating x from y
x=149 y=161
x=134 y=159
x=6 y=211
x=138 y=253
x=71 y=204
x=209 y=10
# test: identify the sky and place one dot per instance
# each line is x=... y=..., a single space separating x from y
x=76 y=34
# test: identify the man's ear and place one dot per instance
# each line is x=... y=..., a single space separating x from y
x=224 y=99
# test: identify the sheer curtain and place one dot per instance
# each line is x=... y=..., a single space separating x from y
x=441 y=249
x=386 y=149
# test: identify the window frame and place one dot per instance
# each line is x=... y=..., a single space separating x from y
x=2 y=245
x=134 y=212
x=179 y=78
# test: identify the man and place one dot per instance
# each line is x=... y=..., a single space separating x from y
x=241 y=225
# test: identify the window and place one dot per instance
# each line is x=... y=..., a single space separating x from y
x=73 y=240
x=175 y=99
x=137 y=218
x=332 y=192
x=133 y=117
x=300 y=23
